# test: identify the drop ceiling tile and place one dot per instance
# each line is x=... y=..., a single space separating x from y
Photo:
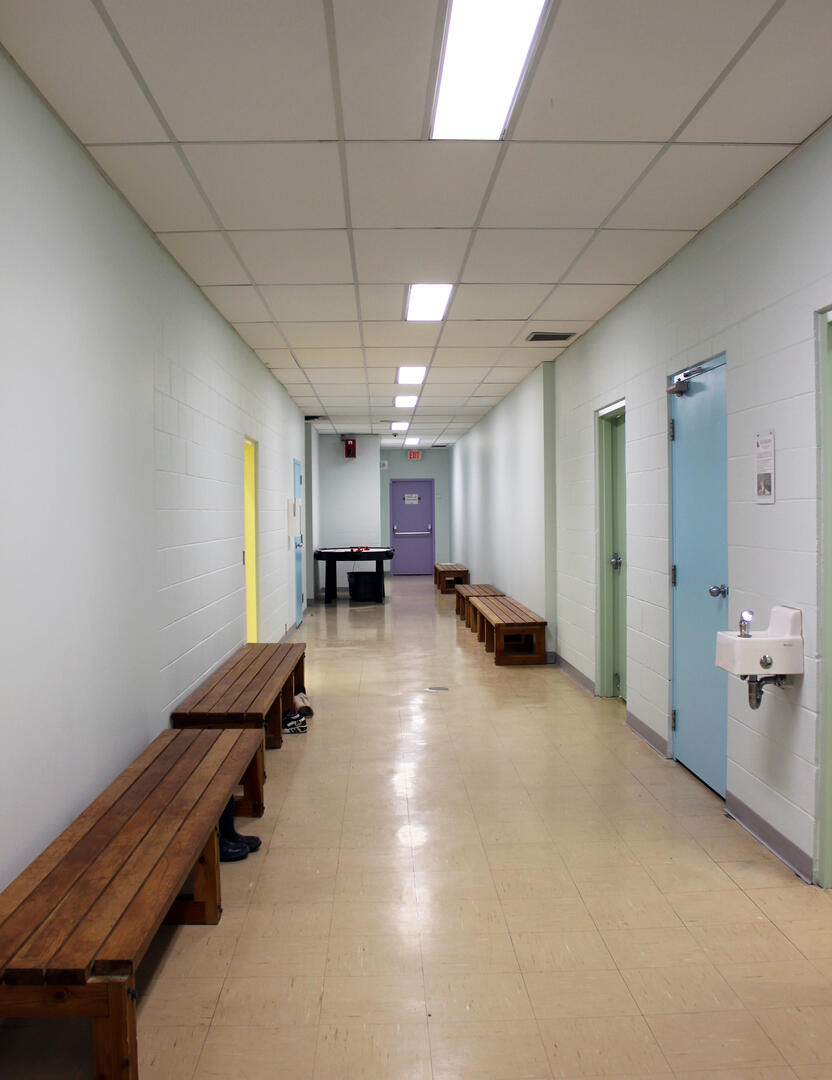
x=382 y=376
x=233 y=71
x=155 y=182
x=321 y=335
x=398 y=357
x=237 y=303
x=206 y=257
x=487 y=401
x=386 y=335
x=329 y=358
x=690 y=185
x=384 y=73
x=336 y=376
x=279 y=359
x=461 y=357
x=557 y=185
x=408 y=255
x=515 y=255
x=418 y=184
x=384 y=303
x=585 y=302
x=445 y=392
x=272 y=185
x=260 y=335
x=506 y=375
x=296 y=257
x=307 y=303
x=626 y=256
x=456 y=374
x=631 y=69
x=495 y=301
x=527 y=356
x=779 y=91
x=297 y=379
x=485 y=332
x=556 y=326
x=106 y=104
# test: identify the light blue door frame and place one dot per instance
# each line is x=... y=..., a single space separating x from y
x=700 y=558
x=298 y=490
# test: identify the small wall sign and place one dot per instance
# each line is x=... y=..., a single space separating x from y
x=764 y=467
x=414 y=455
x=412 y=500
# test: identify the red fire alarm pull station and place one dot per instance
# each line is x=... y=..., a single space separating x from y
x=414 y=455
x=349 y=447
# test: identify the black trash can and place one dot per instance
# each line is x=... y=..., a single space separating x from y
x=362 y=585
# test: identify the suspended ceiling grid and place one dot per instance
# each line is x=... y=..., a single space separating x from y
x=279 y=150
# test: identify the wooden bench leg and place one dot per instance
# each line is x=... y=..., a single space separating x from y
x=489 y=635
x=251 y=803
x=204 y=907
x=480 y=626
x=499 y=644
x=114 y=1036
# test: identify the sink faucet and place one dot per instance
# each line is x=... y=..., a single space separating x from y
x=746 y=618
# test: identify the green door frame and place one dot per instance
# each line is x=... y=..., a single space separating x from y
x=611 y=636
x=823 y=339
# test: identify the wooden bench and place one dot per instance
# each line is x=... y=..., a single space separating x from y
x=499 y=618
x=448 y=574
x=253 y=688
x=463 y=596
x=75 y=925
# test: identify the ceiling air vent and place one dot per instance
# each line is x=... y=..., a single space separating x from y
x=548 y=335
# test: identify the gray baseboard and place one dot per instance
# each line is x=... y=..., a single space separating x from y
x=799 y=861
x=651 y=737
x=574 y=674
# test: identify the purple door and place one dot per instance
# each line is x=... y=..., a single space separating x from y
x=411 y=526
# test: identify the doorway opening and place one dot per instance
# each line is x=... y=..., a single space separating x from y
x=699 y=573
x=612 y=553
x=298 y=539
x=250 y=537
x=823 y=327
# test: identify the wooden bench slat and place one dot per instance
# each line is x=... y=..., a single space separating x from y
x=276 y=679
x=21 y=923
x=212 y=688
x=263 y=684
x=134 y=932
x=29 y=964
x=239 y=687
x=506 y=611
x=73 y=962
x=29 y=879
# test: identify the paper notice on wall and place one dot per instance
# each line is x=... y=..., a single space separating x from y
x=412 y=500
x=764 y=466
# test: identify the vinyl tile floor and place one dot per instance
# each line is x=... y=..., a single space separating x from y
x=476 y=873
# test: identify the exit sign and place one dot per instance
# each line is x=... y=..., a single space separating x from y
x=414 y=455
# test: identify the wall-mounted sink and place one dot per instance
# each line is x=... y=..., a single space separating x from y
x=777 y=650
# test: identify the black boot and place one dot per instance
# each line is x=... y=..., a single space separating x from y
x=230 y=834
x=231 y=851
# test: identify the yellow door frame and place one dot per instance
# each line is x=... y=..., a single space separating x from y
x=250 y=537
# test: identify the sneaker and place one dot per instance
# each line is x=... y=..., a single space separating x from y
x=294 y=724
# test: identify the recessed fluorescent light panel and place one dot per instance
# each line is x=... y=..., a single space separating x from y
x=486 y=48
x=405 y=401
x=399 y=425
x=411 y=375
x=412 y=440
x=427 y=303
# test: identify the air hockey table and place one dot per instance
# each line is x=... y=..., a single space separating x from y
x=332 y=556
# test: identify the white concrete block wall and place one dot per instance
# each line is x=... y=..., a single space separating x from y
x=497 y=497
x=216 y=394
x=748 y=286
x=124 y=401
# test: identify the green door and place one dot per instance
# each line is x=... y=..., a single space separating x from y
x=612 y=556
x=617 y=566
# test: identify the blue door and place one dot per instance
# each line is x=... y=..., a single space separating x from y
x=298 y=492
x=700 y=557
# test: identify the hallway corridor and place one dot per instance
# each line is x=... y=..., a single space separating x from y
x=494 y=880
